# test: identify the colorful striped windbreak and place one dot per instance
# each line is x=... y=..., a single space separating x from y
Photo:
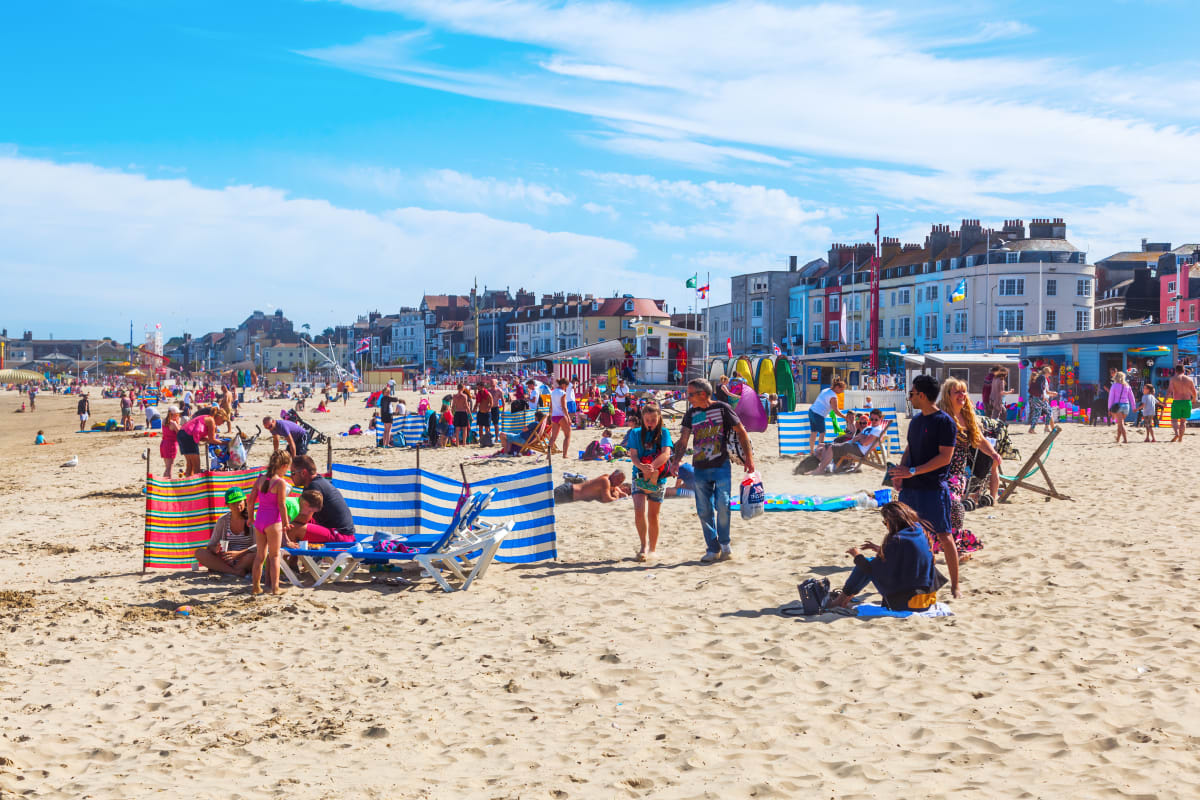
x=180 y=515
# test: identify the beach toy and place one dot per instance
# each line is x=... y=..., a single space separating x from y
x=750 y=410
x=183 y=611
x=883 y=496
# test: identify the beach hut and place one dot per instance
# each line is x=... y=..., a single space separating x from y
x=716 y=370
x=785 y=384
x=742 y=369
x=764 y=375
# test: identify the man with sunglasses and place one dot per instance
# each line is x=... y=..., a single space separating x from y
x=921 y=476
x=707 y=424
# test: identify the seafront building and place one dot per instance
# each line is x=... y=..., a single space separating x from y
x=960 y=290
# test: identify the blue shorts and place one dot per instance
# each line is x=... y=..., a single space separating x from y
x=931 y=505
x=816 y=423
x=573 y=407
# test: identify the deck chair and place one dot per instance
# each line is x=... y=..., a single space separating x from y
x=538 y=441
x=465 y=550
x=874 y=457
x=1035 y=464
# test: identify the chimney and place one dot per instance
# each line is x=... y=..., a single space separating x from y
x=1014 y=229
x=889 y=249
x=939 y=240
x=792 y=263
x=1144 y=241
x=970 y=234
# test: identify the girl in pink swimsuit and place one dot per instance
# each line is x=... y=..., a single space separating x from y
x=271 y=491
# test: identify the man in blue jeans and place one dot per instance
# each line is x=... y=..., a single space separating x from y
x=706 y=425
x=921 y=476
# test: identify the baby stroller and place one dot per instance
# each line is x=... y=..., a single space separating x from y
x=314 y=435
x=233 y=452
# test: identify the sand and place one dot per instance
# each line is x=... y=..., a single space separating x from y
x=1068 y=671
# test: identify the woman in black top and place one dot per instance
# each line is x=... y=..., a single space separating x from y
x=385 y=415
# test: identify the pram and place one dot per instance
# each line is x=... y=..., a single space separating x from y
x=314 y=435
x=233 y=452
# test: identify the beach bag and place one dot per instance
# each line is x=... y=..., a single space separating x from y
x=753 y=498
x=594 y=452
x=814 y=595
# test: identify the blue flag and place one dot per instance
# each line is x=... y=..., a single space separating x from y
x=960 y=291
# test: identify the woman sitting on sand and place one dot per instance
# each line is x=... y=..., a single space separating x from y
x=902 y=569
x=231 y=548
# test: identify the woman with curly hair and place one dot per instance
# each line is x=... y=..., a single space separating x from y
x=955 y=401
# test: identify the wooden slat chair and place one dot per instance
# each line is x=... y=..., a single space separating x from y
x=1035 y=464
x=876 y=455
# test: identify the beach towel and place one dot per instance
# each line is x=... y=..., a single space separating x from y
x=866 y=610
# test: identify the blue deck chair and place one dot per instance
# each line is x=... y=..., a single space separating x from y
x=464 y=549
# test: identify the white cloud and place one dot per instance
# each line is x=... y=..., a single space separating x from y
x=753 y=215
x=450 y=186
x=600 y=209
x=85 y=245
x=719 y=84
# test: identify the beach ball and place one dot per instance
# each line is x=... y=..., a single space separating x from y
x=183 y=611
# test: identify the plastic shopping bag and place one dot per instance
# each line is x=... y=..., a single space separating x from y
x=753 y=498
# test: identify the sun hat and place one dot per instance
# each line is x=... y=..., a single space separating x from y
x=234 y=495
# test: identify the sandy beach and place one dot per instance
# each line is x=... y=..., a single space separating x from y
x=1068 y=671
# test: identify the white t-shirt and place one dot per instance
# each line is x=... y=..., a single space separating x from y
x=556 y=403
x=401 y=409
x=822 y=404
x=873 y=430
x=570 y=393
x=620 y=391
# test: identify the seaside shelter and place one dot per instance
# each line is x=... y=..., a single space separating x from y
x=1140 y=351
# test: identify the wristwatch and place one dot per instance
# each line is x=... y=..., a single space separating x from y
x=912 y=471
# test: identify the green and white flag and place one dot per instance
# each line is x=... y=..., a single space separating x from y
x=693 y=281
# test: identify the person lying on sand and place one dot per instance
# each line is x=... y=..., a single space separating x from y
x=902 y=569
x=231 y=548
x=604 y=489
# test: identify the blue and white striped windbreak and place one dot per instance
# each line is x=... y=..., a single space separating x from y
x=419 y=502
x=408 y=430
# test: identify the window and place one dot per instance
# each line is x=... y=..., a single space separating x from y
x=817 y=306
x=954 y=263
x=1171 y=314
x=629 y=305
x=1012 y=258
x=920 y=326
x=893 y=298
x=1083 y=319
x=858 y=302
x=1010 y=319
x=960 y=321
x=1051 y=288
x=905 y=299
x=931 y=326
x=1051 y=320
x=1012 y=287
x=834 y=331
x=600 y=324
x=892 y=328
x=756 y=308
x=1171 y=287
x=1083 y=288
x=971 y=261
x=1192 y=313
x=816 y=331
x=904 y=325
x=932 y=292
x=756 y=335
x=835 y=303
x=947 y=328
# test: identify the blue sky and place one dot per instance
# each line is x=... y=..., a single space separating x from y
x=185 y=163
